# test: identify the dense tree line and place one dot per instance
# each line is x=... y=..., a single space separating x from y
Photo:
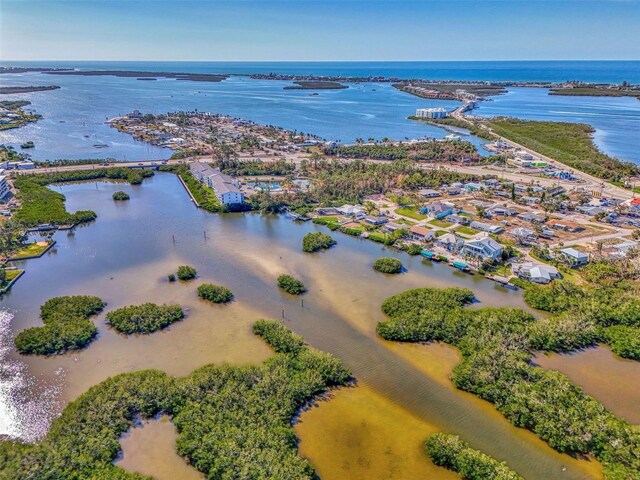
x=255 y=167
x=145 y=318
x=450 y=452
x=66 y=326
x=337 y=182
x=431 y=150
x=313 y=242
x=233 y=422
x=496 y=346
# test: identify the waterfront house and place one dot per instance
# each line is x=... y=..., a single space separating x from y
x=421 y=234
x=350 y=210
x=373 y=220
x=486 y=227
x=536 y=272
x=391 y=227
x=486 y=248
x=450 y=242
x=574 y=257
x=324 y=211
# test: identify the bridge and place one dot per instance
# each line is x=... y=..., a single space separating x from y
x=153 y=164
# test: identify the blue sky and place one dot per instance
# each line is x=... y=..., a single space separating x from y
x=319 y=30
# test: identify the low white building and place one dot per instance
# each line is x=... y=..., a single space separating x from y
x=223 y=186
x=431 y=113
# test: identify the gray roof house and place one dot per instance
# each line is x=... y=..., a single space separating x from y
x=486 y=248
x=536 y=272
x=575 y=257
x=486 y=227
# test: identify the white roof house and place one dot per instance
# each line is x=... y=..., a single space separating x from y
x=350 y=210
x=536 y=272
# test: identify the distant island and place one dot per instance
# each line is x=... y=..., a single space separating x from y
x=42 y=88
x=598 y=91
x=315 y=85
x=194 y=77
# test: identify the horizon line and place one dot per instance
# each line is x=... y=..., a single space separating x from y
x=323 y=61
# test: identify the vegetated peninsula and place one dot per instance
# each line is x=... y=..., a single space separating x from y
x=232 y=420
x=12 y=114
x=588 y=90
x=41 y=88
x=315 y=85
x=568 y=143
x=194 y=77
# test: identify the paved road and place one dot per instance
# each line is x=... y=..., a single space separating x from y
x=589 y=182
x=69 y=168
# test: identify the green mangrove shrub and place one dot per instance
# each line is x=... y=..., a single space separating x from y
x=313 y=242
x=186 y=272
x=145 y=318
x=291 y=285
x=66 y=326
x=215 y=293
x=120 y=195
x=387 y=265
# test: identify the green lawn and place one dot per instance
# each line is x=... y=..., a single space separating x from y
x=410 y=212
x=405 y=222
x=440 y=223
x=11 y=275
x=30 y=250
x=439 y=233
x=462 y=229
